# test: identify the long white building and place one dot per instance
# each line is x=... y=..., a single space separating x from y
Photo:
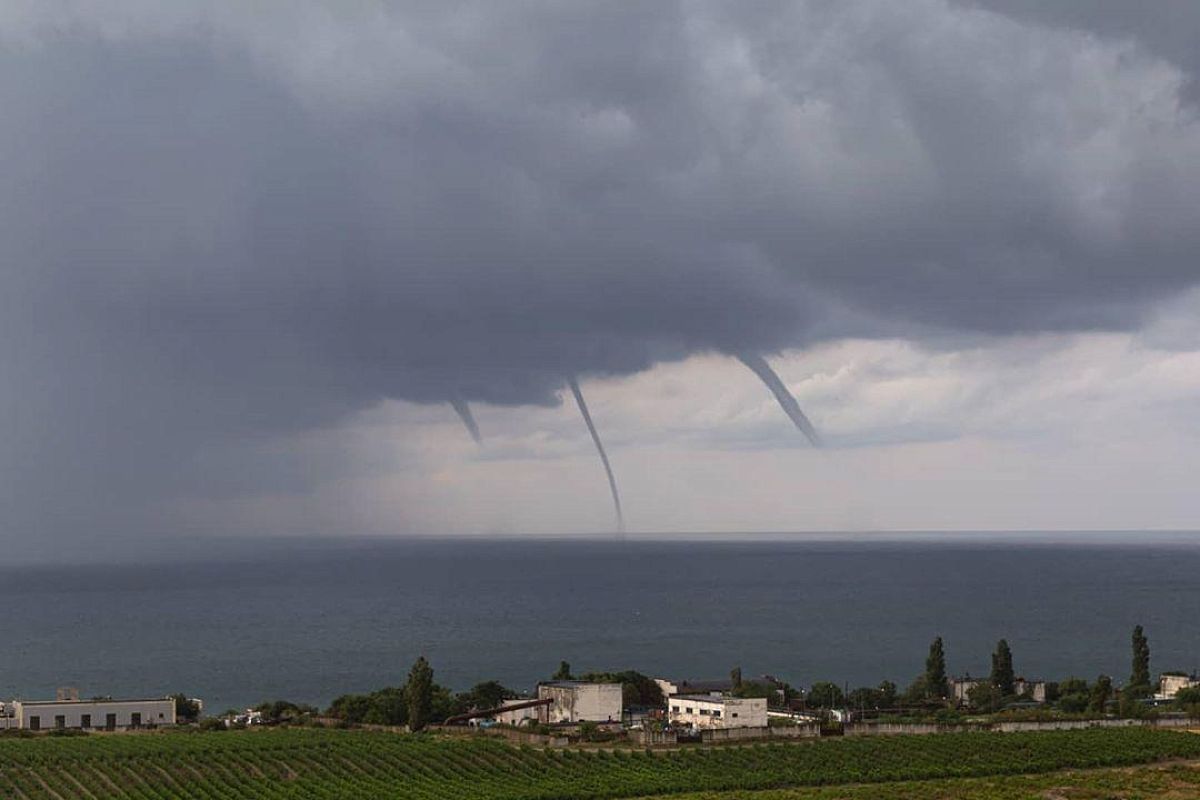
x=710 y=711
x=41 y=715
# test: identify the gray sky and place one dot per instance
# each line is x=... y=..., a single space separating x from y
x=249 y=252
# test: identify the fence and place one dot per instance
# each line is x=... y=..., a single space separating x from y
x=714 y=735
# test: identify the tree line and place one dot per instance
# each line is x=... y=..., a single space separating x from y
x=931 y=690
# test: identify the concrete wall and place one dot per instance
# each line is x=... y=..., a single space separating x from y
x=808 y=730
x=93 y=715
x=581 y=702
x=653 y=738
x=717 y=735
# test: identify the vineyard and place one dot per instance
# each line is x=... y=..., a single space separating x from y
x=310 y=763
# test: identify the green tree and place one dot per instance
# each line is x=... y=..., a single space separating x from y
x=563 y=673
x=1188 y=700
x=489 y=694
x=985 y=696
x=935 y=671
x=186 y=710
x=887 y=695
x=1074 y=694
x=1139 y=677
x=735 y=677
x=1100 y=695
x=824 y=694
x=872 y=697
x=916 y=693
x=1003 y=677
x=418 y=694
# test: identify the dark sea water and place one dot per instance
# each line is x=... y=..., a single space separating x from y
x=310 y=622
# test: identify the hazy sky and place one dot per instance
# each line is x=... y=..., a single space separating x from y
x=249 y=252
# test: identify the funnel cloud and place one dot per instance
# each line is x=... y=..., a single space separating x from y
x=612 y=481
x=463 y=409
x=759 y=366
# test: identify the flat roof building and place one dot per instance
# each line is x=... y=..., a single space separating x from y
x=40 y=715
x=580 y=701
x=709 y=711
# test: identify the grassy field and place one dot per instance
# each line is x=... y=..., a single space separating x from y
x=329 y=763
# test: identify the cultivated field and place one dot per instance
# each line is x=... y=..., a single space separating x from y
x=351 y=764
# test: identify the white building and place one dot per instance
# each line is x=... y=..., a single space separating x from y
x=709 y=711
x=960 y=689
x=580 y=701
x=1035 y=689
x=1170 y=684
x=35 y=715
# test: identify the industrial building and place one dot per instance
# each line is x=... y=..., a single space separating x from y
x=68 y=712
x=711 y=711
x=580 y=701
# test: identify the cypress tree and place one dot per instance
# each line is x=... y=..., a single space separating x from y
x=1003 y=677
x=418 y=694
x=1140 y=677
x=936 y=684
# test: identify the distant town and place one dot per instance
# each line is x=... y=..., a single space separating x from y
x=669 y=710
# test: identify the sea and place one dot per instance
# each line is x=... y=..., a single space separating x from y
x=309 y=620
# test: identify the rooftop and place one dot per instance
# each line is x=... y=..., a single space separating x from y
x=571 y=684
x=84 y=702
x=712 y=698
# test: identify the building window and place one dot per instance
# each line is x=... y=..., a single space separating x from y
x=35 y=723
x=716 y=713
x=689 y=710
x=85 y=721
x=675 y=709
x=110 y=722
x=135 y=720
x=704 y=712
x=734 y=714
x=60 y=721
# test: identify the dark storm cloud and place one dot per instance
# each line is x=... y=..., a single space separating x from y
x=1167 y=28
x=219 y=225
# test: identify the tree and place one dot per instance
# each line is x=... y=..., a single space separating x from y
x=935 y=671
x=1074 y=694
x=824 y=694
x=877 y=697
x=916 y=693
x=418 y=694
x=1188 y=700
x=735 y=677
x=1101 y=694
x=984 y=696
x=489 y=694
x=1003 y=677
x=186 y=710
x=1139 y=677
x=563 y=673
x=887 y=695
